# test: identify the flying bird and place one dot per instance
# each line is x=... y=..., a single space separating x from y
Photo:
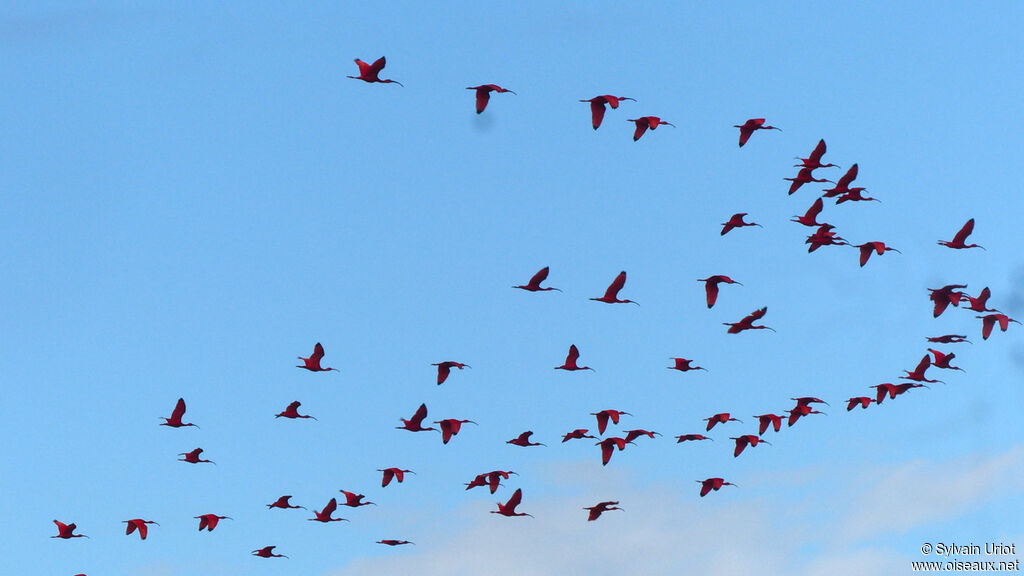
x=810 y=218
x=893 y=390
x=645 y=122
x=66 y=531
x=608 y=446
x=600 y=508
x=534 y=284
x=483 y=94
x=942 y=360
x=597 y=107
x=313 y=362
x=570 y=360
x=394 y=542
x=209 y=521
x=138 y=524
x=371 y=72
x=524 y=440
x=175 y=420
x=948 y=339
x=509 y=508
x=415 y=424
x=747 y=323
x=748 y=128
x=943 y=297
x=604 y=415
x=802 y=177
x=805 y=400
x=813 y=161
x=959 y=240
x=445 y=368
x=282 y=502
x=736 y=221
x=634 y=434
x=325 y=514
x=684 y=365
x=980 y=304
x=396 y=473
x=877 y=247
x=353 y=500
x=766 y=420
x=292 y=411
x=989 y=320
x=711 y=286
x=824 y=236
x=450 y=427
x=863 y=401
x=578 y=434
x=267 y=552
x=689 y=437
x=800 y=411
x=720 y=418
x=193 y=457
x=611 y=295
x=710 y=484
x=746 y=440
x=843 y=185
x=918 y=374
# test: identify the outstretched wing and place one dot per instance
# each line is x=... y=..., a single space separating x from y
x=641 y=127
x=818 y=152
x=964 y=232
x=483 y=95
x=318 y=353
x=574 y=354
x=420 y=414
x=848 y=178
x=179 y=410
x=597 y=112
x=613 y=289
x=539 y=277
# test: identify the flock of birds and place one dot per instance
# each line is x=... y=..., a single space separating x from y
x=823 y=235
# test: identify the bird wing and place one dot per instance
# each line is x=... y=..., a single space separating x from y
x=330 y=507
x=539 y=277
x=597 y=112
x=613 y=289
x=179 y=410
x=818 y=152
x=964 y=232
x=318 y=353
x=641 y=127
x=865 y=253
x=483 y=95
x=573 y=356
x=516 y=498
x=204 y=521
x=741 y=443
x=705 y=487
x=815 y=209
x=986 y=326
x=130 y=527
x=847 y=178
x=420 y=414
x=443 y=370
x=756 y=315
x=602 y=421
x=606 y=451
x=745 y=131
x=446 y=431
x=143 y=529
x=377 y=66
x=293 y=406
x=211 y=522
x=364 y=68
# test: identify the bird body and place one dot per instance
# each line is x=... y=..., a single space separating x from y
x=509 y=507
x=524 y=440
x=711 y=286
x=960 y=239
x=720 y=418
x=578 y=434
x=445 y=368
x=483 y=94
x=450 y=427
x=193 y=457
x=611 y=295
x=736 y=221
x=989 y=321
x=393 y=473
x=597 y=104
x=751 y=125
x=353 y=500
x=210 y=521
x=415 y=424
x=813 y=161
x=766 y=420
x=684 y=365
x=175 y=420
x=608 y=446
x=604 y=415
x=283 y=502
x=267 y=552
x=138 y=524
x=570 y=360
x=645 y=122
x=601 y=507
x=371 y=72
x=292 y=411
x=747 y=323
x=66 y=531
x=534 y=284
x=746 y=440
x=325 y=514
x=706 y=486
x=313 y=362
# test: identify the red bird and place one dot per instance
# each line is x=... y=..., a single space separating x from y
x=611 y=295
x=209 y=521
x=918 y=374
x=843 y=185
x=961 y=237
x=292 y=411
x=353 y=500
x=824 y=236
x=396 y=473
x=810 y=218
x=942 y=360
x=490 y=479
x=877 y=247
x=814 y=160
x=989 y=320
x=578 y=434
x=394 y=542
x=852 y=403
x=893 y=390
x=325 y=514
x=524 y=440
x=483 y=94
x=803 y=177
x=371 y=72
x=711 y=286
x=710 y=484
x=855 y=195
x=597 y=107
x=193 y=457
x=736 y=221
x=765 y=420
x=943 y=297
x=748 y=128
x=415 y=424
x=445 y=368
x=980 y=303
x=747 y=323
x=600 y=508
x=604 y=415
x=282 y=502
x=509 y=508
x=534 y=284
x=634 y=434
x=683 y=365
x=645 y=122
x=608 y=445
x=175 y=420
x=267 y=552
x=570 y=360
x=138 y=524
x=746 y=440
x=720 y=418
x=800 y=410
x=805 y=400
x=313 y=362
x=450 y=427
x=65 y=531
x=949 y=339
x=686 y=437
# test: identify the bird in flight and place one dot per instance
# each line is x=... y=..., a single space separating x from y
x=720 y=418
x=450 y=427
x=415 y=424
x=483 y=94
x=687 y=437
x=736 y=221
x=313 y=362
x=66 y=531
x=138 y=524
x=396 y=473
x=893 y=390
x=175 y=420
x=371 y=72
x=570 y=360
x=810 y=218
x=267 y=552
x=813 y=161
x=524 y=440
x=282 y=502
x=509 y=508
x=750 y=126
x=684 y=365
x=943 y=297
x=711 y=286
x=597 y=107
x=980 y=304
x=578 y=434
x=645 y=122
x=325 y=514
x=534 y=284
x=193 y=457
x=988 y=321
x=710 y=484
x=918 y=374
x=877 y=247
x=863 y=401
x=942 y=360
x=611 y=295
x=747 y=323
x=209 y=521
x=800 y=411
x=960 y=239
x=802 y=177
x=634 y=434
x=353 y=500
x=949 y=339
x=445 y=368
x=604 y=415
x=608 y=446
x=394 y=542
x=601 y=507
x=766 y=420
x=292 y=411
x=746 y=440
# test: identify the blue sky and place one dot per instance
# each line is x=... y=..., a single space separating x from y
x=196 y=194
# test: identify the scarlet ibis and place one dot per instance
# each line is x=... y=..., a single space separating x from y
x=193 y=457
x=138 y=524
x=942 y=360
x=684 y=365
x=747 y=323
x=394 y=542
x=353 y=500
x=711 y=286
x=893 y=390
x=490 y=479
x=959 y=240
x=608 y=445
x=483 y=94
x=877 y=247
x=313 y=362
x=397 y=473
x=450 y=427
x=481 y=480
x=445 y=368
x=989 y=320
x=736 y=221
x=604 y=415
x=597 y=107
x=524 y=440
x=943 y=297
x=634 y=434
x=292 y=411
x=415 y=424
x=852 y=403
x=814 y=160
x=746 y=440
x=803 y=177
x=645 y=122
x=371 y=72
x=686 y=437
x=810 y=218
x=800 y=411
x=570 y=360
x=600 y=508
x=325 y=514
x=710 y=484
x=765 y=420
x=282 y=502
x=175 y=420
x=578 y=434
x=534 y=284
x=980 y=303
x=720 y=418
x=267 y=552
x=824 y=236
x=805 y=400
x=65 y=531
x=918 y=374
x=949 y=339
x=509 y=508
x=209 y=521
x=855 y=195
x=843 y=185
x=611 y=295
x=748 y=128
